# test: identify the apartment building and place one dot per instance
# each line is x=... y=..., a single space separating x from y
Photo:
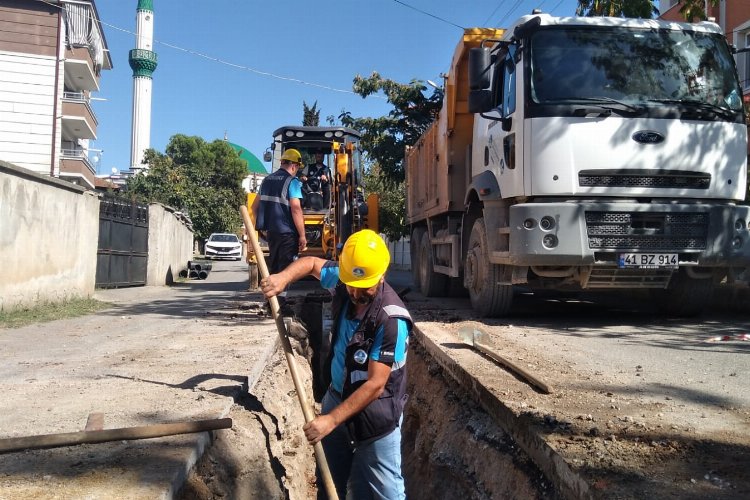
x=52 y=53
x=734 y=18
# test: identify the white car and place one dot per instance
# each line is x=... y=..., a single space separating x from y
x=223 y=246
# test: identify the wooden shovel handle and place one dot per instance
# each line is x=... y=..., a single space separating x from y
x=546 y=389
x=307 y=410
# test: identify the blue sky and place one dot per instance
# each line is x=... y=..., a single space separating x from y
x=322 y=42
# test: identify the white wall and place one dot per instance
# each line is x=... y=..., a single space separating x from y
x=27 y=91
x=400 y=256
x=49 y=231
x=170 y=245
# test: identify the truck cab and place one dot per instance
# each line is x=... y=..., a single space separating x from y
x=604 y=153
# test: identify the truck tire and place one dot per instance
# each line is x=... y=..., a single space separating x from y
x=685 y=297
x=414 y=245
x=488 y=298
x=431 y=284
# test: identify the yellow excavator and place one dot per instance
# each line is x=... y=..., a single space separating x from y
x=329 y=217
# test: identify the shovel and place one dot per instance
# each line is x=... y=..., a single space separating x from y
x=307 y=411
x=479 y=340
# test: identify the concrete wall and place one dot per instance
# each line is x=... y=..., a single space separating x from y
x=170 y=245
x=400 y=255
x=49 y=231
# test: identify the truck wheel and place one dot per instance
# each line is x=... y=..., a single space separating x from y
x=253 y=276
x=431 y=284
x=488 y=298
x=414 y=246
x=685 y=297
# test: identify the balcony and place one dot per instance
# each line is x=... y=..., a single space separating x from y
x=78 y=120
x=79 y=70
x=76 y=167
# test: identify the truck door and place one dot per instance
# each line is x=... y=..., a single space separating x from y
x=510 y=132
x=499 y=146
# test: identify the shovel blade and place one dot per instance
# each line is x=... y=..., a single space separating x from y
x=470 y=335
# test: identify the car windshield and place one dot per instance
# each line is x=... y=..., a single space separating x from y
x=224 y=238
x=632 y=66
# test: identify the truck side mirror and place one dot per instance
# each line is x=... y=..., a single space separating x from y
x=479 y=68
x=480 y=101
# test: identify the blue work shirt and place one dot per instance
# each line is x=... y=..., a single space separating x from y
x=329 y=278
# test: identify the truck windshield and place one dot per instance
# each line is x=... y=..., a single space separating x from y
x=634 y=66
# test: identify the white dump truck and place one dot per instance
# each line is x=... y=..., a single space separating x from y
x=583 y=153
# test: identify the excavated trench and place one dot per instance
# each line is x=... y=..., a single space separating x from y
x=452 y=449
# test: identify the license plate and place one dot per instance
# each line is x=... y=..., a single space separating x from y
x=649 y=260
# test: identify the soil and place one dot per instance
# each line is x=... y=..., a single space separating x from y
x=264 y=455
x=624 y=434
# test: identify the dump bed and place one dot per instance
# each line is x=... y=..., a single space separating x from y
x=438 y=166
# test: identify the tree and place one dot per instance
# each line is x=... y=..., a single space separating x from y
x=202 y=179
x=310 y=115
x=690 y=9
x=617 y=8
x=695 y=9
x=384 y=139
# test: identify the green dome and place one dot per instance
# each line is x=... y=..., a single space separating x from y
x=254 y=166
x=146 y=5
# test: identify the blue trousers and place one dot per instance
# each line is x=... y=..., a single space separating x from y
x=370 y=471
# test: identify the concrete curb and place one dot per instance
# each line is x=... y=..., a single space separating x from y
x=204 y=439
x=570 y=484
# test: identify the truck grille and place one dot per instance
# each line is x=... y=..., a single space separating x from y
x=644 y=179
x=646 y=231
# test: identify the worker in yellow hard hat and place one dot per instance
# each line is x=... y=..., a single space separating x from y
x=365 y=367
x=278 y=212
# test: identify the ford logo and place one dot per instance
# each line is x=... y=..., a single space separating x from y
x=648 y=137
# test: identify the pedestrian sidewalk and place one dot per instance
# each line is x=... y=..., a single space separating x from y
x=158 y=355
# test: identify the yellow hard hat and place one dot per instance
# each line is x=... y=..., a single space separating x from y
x=363 y=260
x=292 y=155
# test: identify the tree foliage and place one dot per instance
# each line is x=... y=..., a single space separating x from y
x=617 y=8
x=199 y=178
x=690 y=10
x=693 y=10
x=392 y=202
x=310 y=115
x=385 y=138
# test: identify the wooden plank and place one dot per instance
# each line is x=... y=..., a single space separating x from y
x=95 y=422
x=45 y=441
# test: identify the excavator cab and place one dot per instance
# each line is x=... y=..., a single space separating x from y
x=334 y=204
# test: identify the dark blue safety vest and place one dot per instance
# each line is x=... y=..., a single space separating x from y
x=381 y=416
x=275 y=214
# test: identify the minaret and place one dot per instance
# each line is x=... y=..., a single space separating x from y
x=142 y=60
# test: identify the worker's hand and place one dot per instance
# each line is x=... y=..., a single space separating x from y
x=272 y=285
x=324 y=178
x=302 y=243
x=319 y=428
x=303 y=178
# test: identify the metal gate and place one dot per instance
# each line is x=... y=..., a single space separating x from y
x=122 y=256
